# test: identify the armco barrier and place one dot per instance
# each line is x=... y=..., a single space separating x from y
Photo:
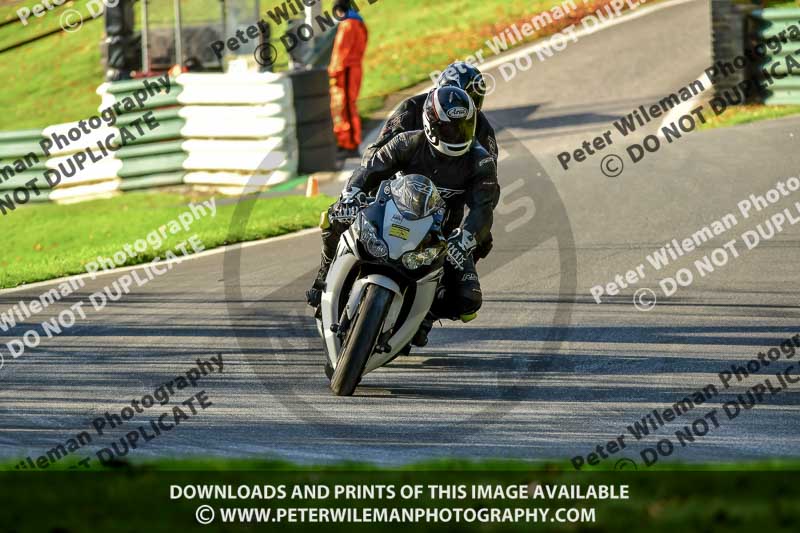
x=768 y=23
x=233 y=132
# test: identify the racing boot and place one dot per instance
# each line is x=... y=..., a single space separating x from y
x=421 y=336
x=314 y=294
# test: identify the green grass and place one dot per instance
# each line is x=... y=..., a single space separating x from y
x=52 y=80
x=49 y=241
x=17 y=32
x=746 y=114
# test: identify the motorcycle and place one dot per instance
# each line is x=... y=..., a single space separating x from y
x=382 y=280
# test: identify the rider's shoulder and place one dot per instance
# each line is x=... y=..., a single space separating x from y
x=415 y=102
x=410 y=139
x=481 y=157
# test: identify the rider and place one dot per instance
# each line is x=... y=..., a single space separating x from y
x=408 y=117
x=465 y=174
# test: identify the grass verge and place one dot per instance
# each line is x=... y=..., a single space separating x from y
x=744 y=114
x=50 y=241
x=52 y=80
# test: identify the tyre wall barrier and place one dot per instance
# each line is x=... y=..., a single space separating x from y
x=22 y=159
x=728 y=40
x=234 y=132
x=312 y=104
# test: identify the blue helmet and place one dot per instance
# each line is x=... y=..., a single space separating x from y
x=464 y=76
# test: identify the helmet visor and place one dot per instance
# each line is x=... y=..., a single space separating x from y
x=460 y=132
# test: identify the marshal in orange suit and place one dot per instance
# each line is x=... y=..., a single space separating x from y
x=345 y=71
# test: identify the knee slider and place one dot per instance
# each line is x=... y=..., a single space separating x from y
x=470 y=300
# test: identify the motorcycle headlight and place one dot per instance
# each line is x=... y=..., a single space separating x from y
x=368 y=236
x=414 y=260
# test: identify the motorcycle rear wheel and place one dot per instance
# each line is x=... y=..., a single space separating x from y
x=361 y=339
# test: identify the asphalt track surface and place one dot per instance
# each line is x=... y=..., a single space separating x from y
x=544 y=373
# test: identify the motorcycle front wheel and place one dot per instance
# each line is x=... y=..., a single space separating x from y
x=361 y=339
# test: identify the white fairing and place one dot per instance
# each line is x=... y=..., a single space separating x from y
x=337 y=274
x=417 y=229
x=343 y=264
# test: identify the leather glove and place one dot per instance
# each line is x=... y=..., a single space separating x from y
x=459 y=247
x=349 y=204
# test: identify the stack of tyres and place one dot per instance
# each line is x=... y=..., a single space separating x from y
x=312 y=105
x=728 y=40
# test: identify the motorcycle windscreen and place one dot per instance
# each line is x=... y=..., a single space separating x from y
x=416 y=196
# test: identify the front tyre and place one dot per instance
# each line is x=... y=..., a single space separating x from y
x=361 y=339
